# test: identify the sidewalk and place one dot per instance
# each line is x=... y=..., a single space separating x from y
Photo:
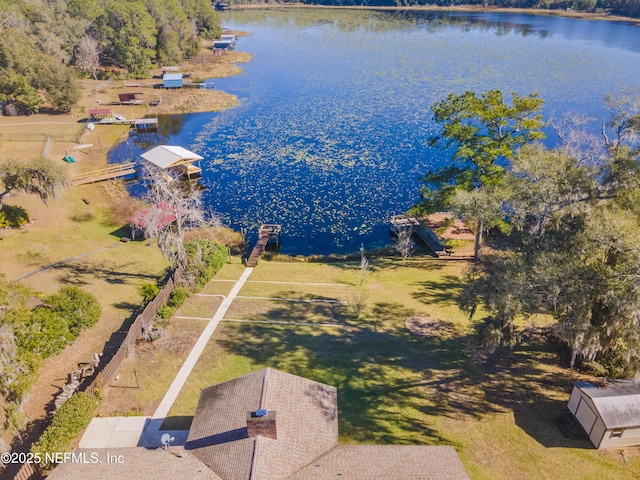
x=112 y=432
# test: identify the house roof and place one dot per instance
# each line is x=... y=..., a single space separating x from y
x=618 y=405
x=172 y=76
x=306 y=416
x=386 y=462
x=100 y=111
x=138 y=464
x=154 y=217
x=307 y=446
x=165 y=156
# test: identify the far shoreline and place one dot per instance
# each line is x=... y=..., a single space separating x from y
x=578 y=15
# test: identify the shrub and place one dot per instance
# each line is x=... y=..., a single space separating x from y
x=593 y=368
x=166 y=311
x=72 y=417
x=177 y=298
x=12 y=216
x=17 y=375
x=148 y=291
x=81 y=309
x=14 y=418
x=47 y=330
x=205 y=258
x=44 y=332
x=82 y=217
x=122 y=209
x=223 y=235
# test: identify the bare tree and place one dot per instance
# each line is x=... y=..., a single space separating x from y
x=364 y=268
x=624 y=123
x=173 y=207
x=577 y=142
x=87 y=55
x=403 y=242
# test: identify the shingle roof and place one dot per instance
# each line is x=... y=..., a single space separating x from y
x=307 y=425
x=138 y=464
x=386 y=462
x=307 y=436
x=165 y=156
x=306 y=448
x=618 y=405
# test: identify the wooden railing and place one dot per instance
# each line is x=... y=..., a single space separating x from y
x=116 y=171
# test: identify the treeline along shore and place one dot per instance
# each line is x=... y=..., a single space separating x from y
x=587 y=9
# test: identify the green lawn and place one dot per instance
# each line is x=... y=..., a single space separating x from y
x=395 y=386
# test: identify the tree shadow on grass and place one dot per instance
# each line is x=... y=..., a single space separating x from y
x=393 y=384
x=521 y=380
x=305 y=308
x=387 y=261
x=127 y=306
x=445 y=291
x=387 y=388
x=80 y=273
x=371 y=401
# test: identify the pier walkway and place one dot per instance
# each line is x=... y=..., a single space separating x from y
x=420 y=230
x=268 y=233
x=110 y=173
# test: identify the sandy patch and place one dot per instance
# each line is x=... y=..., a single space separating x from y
x=426 y=326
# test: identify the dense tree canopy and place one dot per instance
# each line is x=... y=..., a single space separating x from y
x=40 y=176
x=483 y=131
x=573 y=250
x=43 y=44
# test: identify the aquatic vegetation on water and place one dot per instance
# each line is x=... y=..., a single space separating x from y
x=332 y=130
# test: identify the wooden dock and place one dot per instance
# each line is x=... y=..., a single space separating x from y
x=143 y=124
x=269 y=233
x=110 y=173
x=420 y=230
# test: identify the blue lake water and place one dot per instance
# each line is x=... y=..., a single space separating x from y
x=331 y=133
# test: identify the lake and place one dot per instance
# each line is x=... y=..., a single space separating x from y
x=332 y=131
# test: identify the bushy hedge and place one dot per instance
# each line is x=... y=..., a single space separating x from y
x=81 y=309
x=205 y=258
x=44 y=332
x=177 y=298
x=72 y=417
x=50 y=328
x=11 y=216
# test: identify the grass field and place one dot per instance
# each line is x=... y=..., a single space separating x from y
x=397 y=383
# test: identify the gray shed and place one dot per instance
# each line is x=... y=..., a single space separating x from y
x=172 y=80
x=610 y=416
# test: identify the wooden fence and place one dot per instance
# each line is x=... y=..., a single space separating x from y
x=148 y=315
x=108 y=370
x=39 y=136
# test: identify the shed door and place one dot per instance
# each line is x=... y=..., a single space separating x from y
x=585 y=416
